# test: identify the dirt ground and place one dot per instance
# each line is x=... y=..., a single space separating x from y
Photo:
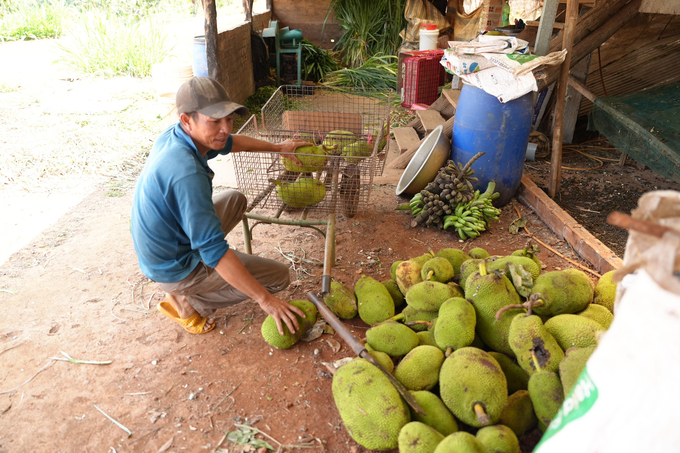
x=76 y=288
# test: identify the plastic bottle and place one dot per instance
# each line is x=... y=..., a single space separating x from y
x=505 y=15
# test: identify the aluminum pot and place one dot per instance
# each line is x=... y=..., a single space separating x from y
x=426 y=162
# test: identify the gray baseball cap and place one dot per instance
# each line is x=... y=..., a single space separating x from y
x=205 y=95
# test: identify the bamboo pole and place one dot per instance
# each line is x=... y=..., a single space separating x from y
x=556 y=157
x=214 y=69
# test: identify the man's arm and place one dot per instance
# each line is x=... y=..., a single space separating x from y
x=245 y=143
x=232 y=270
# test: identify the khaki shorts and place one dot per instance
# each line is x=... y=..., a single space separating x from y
x=205 y=290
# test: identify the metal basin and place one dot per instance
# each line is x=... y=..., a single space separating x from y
x=426 y=162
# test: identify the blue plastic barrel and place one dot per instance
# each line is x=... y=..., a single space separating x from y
x=483 y=124
x=200 y=60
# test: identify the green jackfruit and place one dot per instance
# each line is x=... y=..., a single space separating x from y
x=341 y=301
x=301 y=193
x=371 y=408
x=397 y=296
x=518 y=413
x=455 y=326
x=460 y=442
x=559 y=292
x=547 y=396
x=407 y=274
x=338 y=139
x=271 y=334
x=473 y=387
x=392 y=338
x=478 y=253
x=418 y=320
x=599 y=314
x=374 y=302
x=572 y=365
x=605 y=291
x=312 y=158
x=468 y=268
x=573 y=331
x=430 y=296
x=517 y=378
x=419 y=369
x=498 y=439
x=426 y=337
x=357 y=151
x=393 y=269
x=417 y=437
x=437 y=415
x=533 y=345
x=424 y=258
x=529 y=251
x=455 y=257
x=489 y=292
x=437 y=269
x=384 y=360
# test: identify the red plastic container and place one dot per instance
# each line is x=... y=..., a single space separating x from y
x=421 y=78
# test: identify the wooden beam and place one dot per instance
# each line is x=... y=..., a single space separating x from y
x=556 y=155
x=578 y=86
x=214 y=69
x=545 y=27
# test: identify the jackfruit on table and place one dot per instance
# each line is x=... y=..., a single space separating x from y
x=473 y=387
x=533 y=345
x=517 y=378
x=312 y=158
x=371 y=409
x=301 y=193
x=341 y=301
x=417 y=437
x=498 y=439
x=437 y=415
x=374 y=302
x=271 y=334
x=456 y=257
x=429 y=296
x=419 y=369
x=573 y=331
x=599 y=314
x=456 y=323
x=605 y=291
x=518 y=413
x=392 y=338
x=547 y=396
x=460 y=442
x=572 y=365
x=560 y=292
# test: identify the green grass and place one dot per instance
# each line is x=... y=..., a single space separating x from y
x=32 y=19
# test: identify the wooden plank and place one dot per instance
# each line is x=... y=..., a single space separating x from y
x=405 y=137
x=452 y=96
x=578 y=86
x=580 y=2
x=430 y=119
x=299 y=120
x=660 y=7
x=578 y=74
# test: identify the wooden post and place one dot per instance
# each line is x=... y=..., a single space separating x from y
x=248 y=9
x=556 y=158
x=545 y=27
x=211 y=51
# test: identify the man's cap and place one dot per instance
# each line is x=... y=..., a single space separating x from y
x=205 y=95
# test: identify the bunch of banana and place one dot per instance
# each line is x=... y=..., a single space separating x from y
x=471 y=218
x=416 y=204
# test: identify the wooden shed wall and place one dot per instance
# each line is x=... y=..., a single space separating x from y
x=308 y=16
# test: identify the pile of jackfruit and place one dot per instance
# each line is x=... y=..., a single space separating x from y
x=489 y=346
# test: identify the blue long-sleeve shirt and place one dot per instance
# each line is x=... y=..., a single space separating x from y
x=174 y=225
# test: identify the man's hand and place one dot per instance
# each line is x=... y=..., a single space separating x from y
x=288 y=147
x=282 y=311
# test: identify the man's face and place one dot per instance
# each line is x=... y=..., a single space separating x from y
x=208 y=133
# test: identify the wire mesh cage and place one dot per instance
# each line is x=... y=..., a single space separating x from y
x=349 y=129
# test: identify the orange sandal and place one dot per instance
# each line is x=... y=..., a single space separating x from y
x=193 y=324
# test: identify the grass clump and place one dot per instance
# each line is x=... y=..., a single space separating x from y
x=32 y=19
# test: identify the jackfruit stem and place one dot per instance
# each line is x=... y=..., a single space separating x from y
x=534 y=301
x=448 y=352
x=395 y=318
x=482 y=269
x=500 y=312
x=481 y=414
x=534 y=359
x=429 y=275
x=419 y=323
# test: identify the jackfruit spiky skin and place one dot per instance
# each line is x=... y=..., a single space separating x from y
x=417 y=437
x=312 y=158
x=517 y=378
x=419 y=369
x=426 y=337
x=490 y=293
x=437 y=415
x=341 y=301
x=460 y=442
x=599 y=314
x=424 y=258
x=429 y=296
x=573 y=331
x=547 y=396
x=470 y=376
x=393 y=269
x=397 y=296
x=455 y=326
x=384 y=360
x=411 y=315
x=518 y=413
x=528 y=334
x=498 y=439
x=437 y=269
x=392 y=338
x=374 y=301
x=605 y=291
x=572 y=365
x=455 y=257
x=478 y=253
x=567 y=291
x=371 y=408
x=468 y=268
x=301 y=193
x=407 y=274
x=271 y=334
x=357 y=151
